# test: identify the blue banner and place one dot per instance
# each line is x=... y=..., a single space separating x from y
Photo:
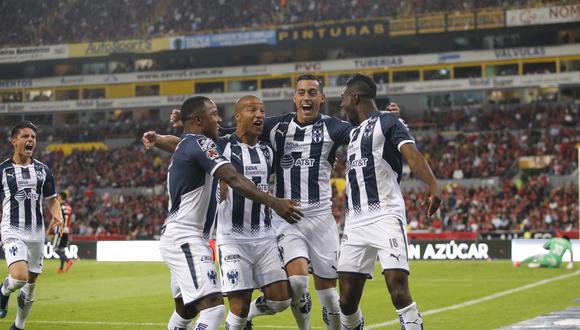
x=224 y=39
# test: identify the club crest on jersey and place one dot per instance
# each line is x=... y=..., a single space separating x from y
x=212 y=276
x=368 y=133
x=13 y=250
x=317 y=134
x=233 y=276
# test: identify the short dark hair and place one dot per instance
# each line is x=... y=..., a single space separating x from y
x=363 y=85
x=62 y=195
x=310 y=76
x=23 y=124
x=193 y=106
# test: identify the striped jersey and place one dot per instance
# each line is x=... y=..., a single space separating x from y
x=240 y=218
x=24 y=187
x=374 y=169
x=191 y=187
x=304 y=155
x=67 y=213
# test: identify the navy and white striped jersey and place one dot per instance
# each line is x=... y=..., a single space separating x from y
x=24 y=187
x=303 y=159
x=190 y=187
x=374 y=168
x=240 y=218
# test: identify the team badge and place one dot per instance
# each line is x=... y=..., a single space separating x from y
x=212 y=276
x=317 y=134
x=368 y=133
x=233 y=276
x=13 y=250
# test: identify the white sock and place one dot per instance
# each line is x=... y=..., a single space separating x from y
x=262 y=306
x=210 y=318
x=10 y=285
x=352 y=321
x=301 y=301
x=330 y=308
x=234 y=322
x=176 y=322
x=25 y=300
x=410 y=317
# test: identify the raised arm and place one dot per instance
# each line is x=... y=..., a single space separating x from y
x=166 y=143
x=421 y=169
x=284 y=207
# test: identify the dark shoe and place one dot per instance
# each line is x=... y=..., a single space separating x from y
x=3 y=305
x=13 y=327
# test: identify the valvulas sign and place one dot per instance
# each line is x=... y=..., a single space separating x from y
x=333 y=31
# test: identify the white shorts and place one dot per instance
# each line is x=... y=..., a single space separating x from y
x=317 y=241
x=193 y=272
x=252 y=265
x=360 y=246
x=31 y=252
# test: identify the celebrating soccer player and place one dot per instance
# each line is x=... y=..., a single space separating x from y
x=375 y=220
x=25 y=183
x=183 y=244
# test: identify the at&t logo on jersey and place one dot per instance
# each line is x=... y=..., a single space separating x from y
x=22 y=195
x=287 y=162
x=356 y=163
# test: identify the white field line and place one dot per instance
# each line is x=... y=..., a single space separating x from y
x=479 y=300
x=371 y=326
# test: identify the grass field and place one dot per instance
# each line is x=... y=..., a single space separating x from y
x=137 y=296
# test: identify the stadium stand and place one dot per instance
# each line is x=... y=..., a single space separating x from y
x=56 y=22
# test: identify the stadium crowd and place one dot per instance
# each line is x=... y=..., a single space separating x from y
x=515 y=205
x=456 y=145
x=58 y=21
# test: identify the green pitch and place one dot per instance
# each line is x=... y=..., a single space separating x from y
x=451 y=295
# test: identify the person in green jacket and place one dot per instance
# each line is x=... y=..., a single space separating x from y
x=553 y=259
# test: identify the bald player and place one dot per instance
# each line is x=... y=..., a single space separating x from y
x=247 y=246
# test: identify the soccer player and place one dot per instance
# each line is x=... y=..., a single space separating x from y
x=553 y=259
x=63 y=240
x=25 y=183
x=183 y=244
x=248 y=252
x=375 y=220
x=305 y=144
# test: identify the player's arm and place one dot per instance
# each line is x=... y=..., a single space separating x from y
x=166 y=143
x=53 y=206
x=52 y=203
x=571 y=263
x=284 y=207
x=339 y=130
x=421 y=169
x=547 y=244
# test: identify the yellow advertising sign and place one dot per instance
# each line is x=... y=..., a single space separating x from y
x=431 y=23
x=460 y=21
x=404 y=26
x=67 y=148
x=490 y=19
x=105 y=48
